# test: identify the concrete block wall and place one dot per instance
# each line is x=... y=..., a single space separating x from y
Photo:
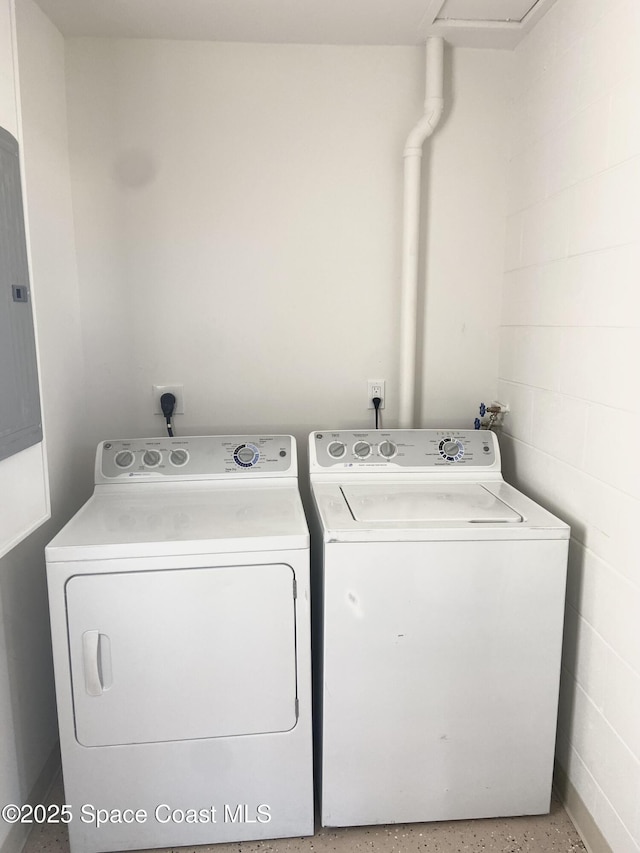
x=570 y=350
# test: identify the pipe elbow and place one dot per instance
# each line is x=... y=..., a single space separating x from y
x=425 y=127
x=433 y=109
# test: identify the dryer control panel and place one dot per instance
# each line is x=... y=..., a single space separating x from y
x=196 y=458
x=403 y=450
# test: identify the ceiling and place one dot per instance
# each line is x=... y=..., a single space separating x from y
x=466 y=23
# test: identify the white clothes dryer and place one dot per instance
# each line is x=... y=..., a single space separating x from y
x=440 y=598
x=180 y=617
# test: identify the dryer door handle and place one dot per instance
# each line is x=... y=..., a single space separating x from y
x=96 y=658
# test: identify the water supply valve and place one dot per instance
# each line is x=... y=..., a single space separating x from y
x=491 y=417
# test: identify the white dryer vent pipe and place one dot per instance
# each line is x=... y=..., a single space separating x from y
x=433 y=106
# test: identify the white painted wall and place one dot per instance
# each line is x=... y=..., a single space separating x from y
x=8 y=111
x=238 y=228
x=464 y=205
x=569 y=359
x=28 y=730
x=23 y=476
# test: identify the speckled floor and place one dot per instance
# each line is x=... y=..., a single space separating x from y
x=552 y=833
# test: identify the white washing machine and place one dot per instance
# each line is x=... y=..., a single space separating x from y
x=180 y=616
x=440 y=596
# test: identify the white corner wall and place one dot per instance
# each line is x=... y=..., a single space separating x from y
x=570 y=351
x=28 y=730
x=238 y=212
x=463 y=210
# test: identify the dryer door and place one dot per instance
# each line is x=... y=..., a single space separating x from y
x=181 y=654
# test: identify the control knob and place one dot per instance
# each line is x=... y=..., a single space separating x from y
x=387 y=449
x=151 y=458
x=246 y=455
x=124 y=459
x=179 y=457
x=451 y=449
x=362 y=449
x=337 y=449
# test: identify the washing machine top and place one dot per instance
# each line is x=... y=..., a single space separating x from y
x=414 y=485
x=193 y=495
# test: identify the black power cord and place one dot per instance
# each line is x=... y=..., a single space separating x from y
x=168 y=404
x=376 y=405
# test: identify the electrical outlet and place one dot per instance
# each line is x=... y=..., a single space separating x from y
x=375 y=388
x=178 y=393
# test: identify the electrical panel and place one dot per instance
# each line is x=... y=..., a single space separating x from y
x=20 y=413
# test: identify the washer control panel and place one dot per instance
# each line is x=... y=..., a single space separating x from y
x=404 y=449
x=196 y=457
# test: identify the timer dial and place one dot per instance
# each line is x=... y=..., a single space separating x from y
x=246 y=455
x=362 y=449
x=451 y=449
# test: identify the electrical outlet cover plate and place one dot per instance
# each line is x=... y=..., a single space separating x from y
x=375 y=388
x=176 y=390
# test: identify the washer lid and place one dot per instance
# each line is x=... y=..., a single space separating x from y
x=426 y=502
x=402 y=511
